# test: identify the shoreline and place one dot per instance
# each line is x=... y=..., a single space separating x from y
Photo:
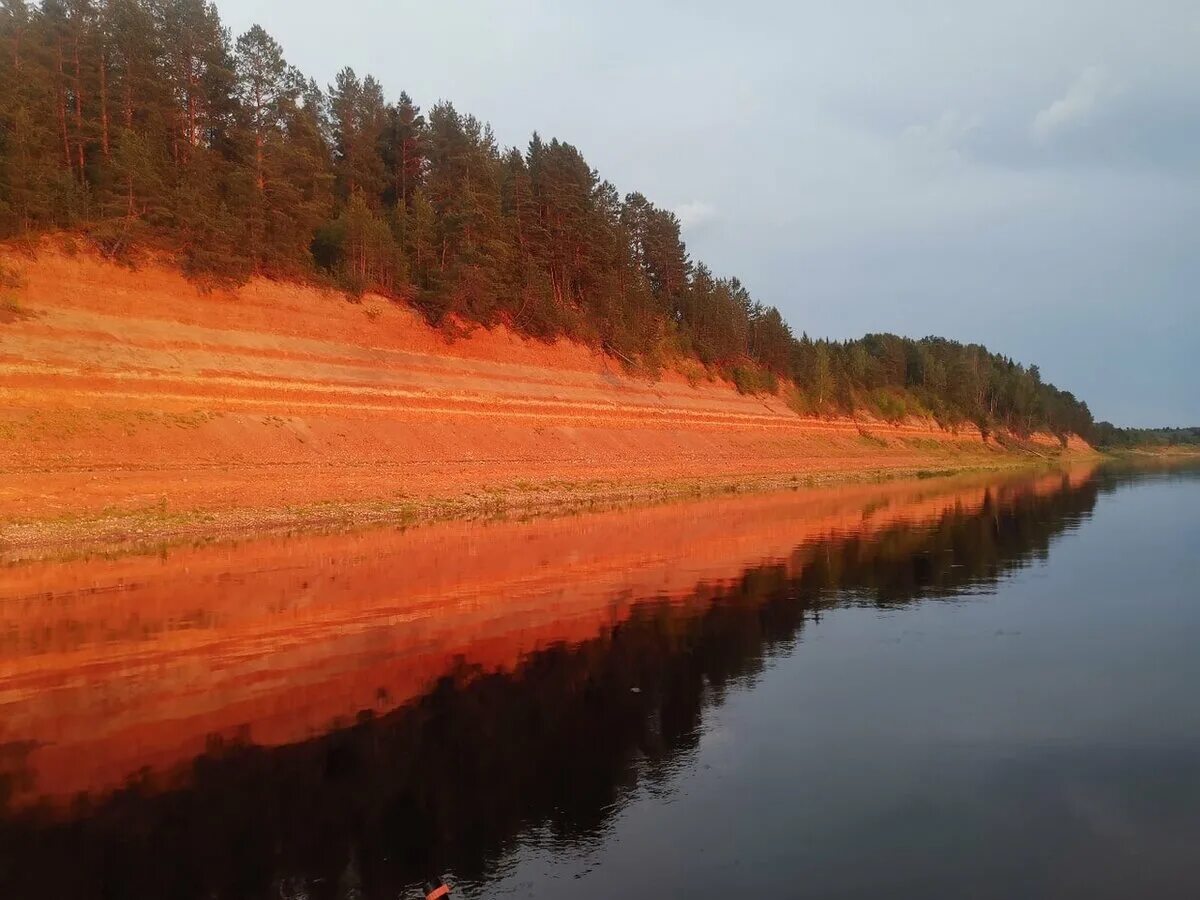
x=157 y=527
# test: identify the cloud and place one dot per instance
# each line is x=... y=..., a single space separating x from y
x=695 y=214
x=939 y=143
x=1085 y=95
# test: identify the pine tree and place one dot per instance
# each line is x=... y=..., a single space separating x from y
x=198 y=68
x=280 y=136
x=421 y=243
x=265 y=91
x=403 y=151
x=358 y=118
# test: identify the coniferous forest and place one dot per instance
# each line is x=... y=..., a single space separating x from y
x=145 y=124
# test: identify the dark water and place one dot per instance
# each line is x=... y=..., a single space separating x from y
x=992 y=700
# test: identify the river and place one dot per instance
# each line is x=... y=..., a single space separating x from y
x=979 y=686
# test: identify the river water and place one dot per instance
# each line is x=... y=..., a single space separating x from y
x=966 y=687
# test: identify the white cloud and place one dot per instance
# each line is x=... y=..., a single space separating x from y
x=1085 y=95
x=938 y=144
x=695 y=214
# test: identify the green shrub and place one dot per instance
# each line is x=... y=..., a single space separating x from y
x=749 y=379
x=798 y=402
x=888 y=406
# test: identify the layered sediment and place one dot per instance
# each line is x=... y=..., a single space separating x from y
x=133 y=404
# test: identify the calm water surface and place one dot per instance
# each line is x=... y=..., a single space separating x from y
x=953 y=689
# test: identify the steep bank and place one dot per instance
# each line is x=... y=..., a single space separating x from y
x=134 y=404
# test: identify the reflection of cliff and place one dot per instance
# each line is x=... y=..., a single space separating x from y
x=110 y=667
x=500 y=737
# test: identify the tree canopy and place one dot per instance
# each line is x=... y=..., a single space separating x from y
x=1109 y=437
x=144 y=122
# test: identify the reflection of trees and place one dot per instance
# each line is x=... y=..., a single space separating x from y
x=450 y=781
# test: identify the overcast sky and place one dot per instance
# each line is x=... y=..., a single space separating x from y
x=1023 y=173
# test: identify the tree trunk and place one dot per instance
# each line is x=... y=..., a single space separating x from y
x=403 y=186
x=259 y=177
x=187 y=115
x=61 y=91
x=104 y=143
x=128 y=111
x=191 y=103
x=78 y=106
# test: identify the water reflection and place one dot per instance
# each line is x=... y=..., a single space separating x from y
x=344 y=716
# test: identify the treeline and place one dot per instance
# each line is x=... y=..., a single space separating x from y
x=144 y=123
x=955 y=383
x=1109 y=437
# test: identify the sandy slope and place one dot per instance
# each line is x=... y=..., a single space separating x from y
x=128 y=391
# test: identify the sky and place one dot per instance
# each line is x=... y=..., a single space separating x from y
x=1023 y=174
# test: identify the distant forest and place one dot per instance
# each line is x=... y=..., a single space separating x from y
x=1109 y=437
x=145 y=123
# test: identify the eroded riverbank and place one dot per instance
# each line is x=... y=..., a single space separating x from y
x=138 y=410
